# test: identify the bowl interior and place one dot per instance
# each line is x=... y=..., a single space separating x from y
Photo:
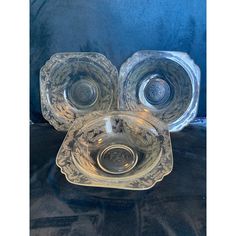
x=116 y=146
x=80 y=84
x=159 y=84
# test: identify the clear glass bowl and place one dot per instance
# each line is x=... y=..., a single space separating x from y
x=74 y=84
x=165 y=83
x=119 y=149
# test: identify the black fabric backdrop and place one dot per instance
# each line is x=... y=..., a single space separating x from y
x=174 y=207
x=116 y=29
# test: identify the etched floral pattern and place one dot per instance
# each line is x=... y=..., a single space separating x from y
x=64 y=68
x=175 y=68
x=79 y=145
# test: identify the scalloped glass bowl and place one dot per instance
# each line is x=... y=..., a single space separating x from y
x=165 y=83
x=119 y=149
x=74 y=84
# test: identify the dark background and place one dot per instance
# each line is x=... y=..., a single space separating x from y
x=117 y=29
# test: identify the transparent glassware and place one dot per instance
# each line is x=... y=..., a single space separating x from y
x=74 y=84
x=117 y=149
x=164 y=83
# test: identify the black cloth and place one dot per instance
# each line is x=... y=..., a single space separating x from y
x=117 y=29
x=175 y=206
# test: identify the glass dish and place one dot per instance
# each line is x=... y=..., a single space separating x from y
x=165 y=83
x=118 y=149
x=74 y=84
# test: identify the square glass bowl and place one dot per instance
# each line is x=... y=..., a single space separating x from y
x=118 y=149
x=74 y=84
x=165 y=83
